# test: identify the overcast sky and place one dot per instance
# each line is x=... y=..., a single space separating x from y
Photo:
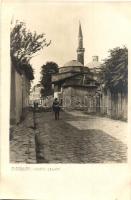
x=104 y=26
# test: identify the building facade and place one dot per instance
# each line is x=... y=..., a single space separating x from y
x=78 y=86
x=75 y=85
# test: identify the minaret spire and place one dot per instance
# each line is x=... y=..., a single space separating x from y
x=80 y=30
x=80 y=50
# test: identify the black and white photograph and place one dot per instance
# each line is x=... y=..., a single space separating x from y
x=69 y=83
x=65 y=100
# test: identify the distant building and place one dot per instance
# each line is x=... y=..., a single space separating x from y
x=35 y=94
x=94 y=67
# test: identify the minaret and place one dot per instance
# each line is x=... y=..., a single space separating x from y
x=80 y=49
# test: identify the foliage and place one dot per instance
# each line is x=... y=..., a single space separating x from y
x=24 y=45
x=46 y=74
x=114 y=73
x=26 y=67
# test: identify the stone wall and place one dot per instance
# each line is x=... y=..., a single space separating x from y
x=67 y=97
x=80 y=98
x=12 y=96
x=18 y=89
x=25 y=94
x=16 y=96
x=19 y=95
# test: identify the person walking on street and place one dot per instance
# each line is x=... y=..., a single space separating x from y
x=56 y=108
x=34 y=106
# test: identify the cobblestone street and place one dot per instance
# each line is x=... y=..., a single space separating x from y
x=22 y=144
x=80 y=138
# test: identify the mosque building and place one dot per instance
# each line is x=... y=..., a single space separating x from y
x=75 y=84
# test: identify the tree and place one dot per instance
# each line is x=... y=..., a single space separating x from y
x=46 y=74
x=114 y=73
x=24 y=45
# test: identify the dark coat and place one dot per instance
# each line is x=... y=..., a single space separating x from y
x=56 y=106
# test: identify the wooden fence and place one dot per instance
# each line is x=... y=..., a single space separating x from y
x=114 y=105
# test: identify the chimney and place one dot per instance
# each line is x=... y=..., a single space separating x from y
x=95 y=58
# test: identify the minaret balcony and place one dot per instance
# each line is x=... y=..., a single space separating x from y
x=80 y=50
